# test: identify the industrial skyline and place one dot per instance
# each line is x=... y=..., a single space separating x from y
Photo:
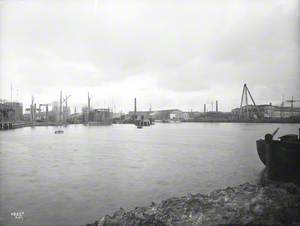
x=207 y=106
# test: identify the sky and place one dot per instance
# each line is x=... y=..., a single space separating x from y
x=167 y=54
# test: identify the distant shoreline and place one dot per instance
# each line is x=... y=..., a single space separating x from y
x=38 y=124
x=236 y=121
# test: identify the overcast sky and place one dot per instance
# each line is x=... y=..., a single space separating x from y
x=170 y=54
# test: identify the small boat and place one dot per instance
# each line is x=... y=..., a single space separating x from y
x=58 y=131
x=139 y=124
x=285 y=155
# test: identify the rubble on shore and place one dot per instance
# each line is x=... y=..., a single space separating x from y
x=246 y=204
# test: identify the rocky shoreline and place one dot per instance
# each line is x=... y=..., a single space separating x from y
x=246 y=204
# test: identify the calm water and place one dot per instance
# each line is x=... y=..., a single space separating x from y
x=75 y=177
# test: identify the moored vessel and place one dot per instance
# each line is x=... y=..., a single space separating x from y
x=282 y=156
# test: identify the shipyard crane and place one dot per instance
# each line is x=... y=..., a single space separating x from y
x=245 y=93
x=32 y=109
x=292 y=101
x=40 y=109
x=65 y=100
x=89 y=107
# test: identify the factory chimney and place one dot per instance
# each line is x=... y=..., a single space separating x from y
x=216 y=106
x=134 y=107
x=204 y=108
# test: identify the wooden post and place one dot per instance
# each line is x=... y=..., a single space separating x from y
x=269 y=156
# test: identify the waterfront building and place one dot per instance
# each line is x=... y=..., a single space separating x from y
x=276 y=112
x=54 y=114
x=169 y=114
x=140 y=115
x=101 y=116
x=117 y=115
x=214 y=116
x=75 y=118
x=85 y=114
x=11 y=111
x=269 y=111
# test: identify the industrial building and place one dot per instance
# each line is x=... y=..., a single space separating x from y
x=268 y=111
x=11 y=111
x=140 y=115
x=97 y=116
x=169 y=114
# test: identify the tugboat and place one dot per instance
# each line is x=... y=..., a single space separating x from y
x=285 y=155
x=58 y=131
x=139 y=124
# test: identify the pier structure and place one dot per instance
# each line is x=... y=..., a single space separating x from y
x=6 y=125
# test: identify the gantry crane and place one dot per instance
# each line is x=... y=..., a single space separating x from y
x=40 y=110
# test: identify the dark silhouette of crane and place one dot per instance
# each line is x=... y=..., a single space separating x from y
x=246 y=114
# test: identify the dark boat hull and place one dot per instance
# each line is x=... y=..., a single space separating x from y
x=285 y=157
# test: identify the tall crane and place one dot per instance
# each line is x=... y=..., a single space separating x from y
x=292 y=101
x=245 y=93
x=32 y=110
x=45 y=105
x=89 y=107
x=65 y=100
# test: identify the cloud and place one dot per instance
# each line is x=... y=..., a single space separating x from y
x=193 y=51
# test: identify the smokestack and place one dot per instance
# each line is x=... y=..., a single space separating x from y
x=204 y=108
x=89 y=103
x=134 y=106
x=216 y=106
